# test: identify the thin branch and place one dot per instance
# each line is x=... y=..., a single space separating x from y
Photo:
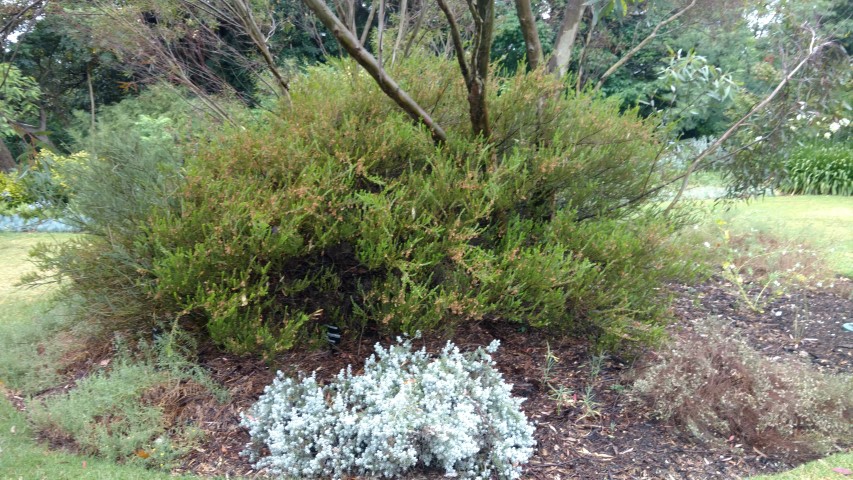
x=350 y=43
x=616 y=66
x=401 y=30
x=813 y=50
x=368 y=23
x=381 y=31
x=415 y=30
x=13 y=22
x=457 y=41
x=243 y=11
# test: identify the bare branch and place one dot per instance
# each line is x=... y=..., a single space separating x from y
x=813 y=50
x=401 y=30
x=457 y=40
x=352 y=45
x=368 y=23
x=16 y=19
x=415 y=30
x=616 y=66
x=381 y=31
x=242 y=11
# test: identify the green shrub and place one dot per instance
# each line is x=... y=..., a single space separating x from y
x=820 y=169
x=12 y=193
x=131 y=167
x=120 y=413
x=340 y=210
x=105 y=415
x=714 y=386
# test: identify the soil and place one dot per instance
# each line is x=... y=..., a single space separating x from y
x=605 y=438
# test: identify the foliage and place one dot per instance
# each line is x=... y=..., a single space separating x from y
x=695 y=93
x=820 y=168
x=24 y=457
x=116 y=413
x=715 y=387
x=131 y=167
x=12 y=192
x=64 y=59
x=105 y=415
x=343 y=211
x=453 y=412
x=19 y=96
x=47 y=180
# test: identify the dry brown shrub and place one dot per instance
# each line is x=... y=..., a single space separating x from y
x=711 y=384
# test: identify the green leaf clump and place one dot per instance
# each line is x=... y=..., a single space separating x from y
x=820 y=169
x=339 y=209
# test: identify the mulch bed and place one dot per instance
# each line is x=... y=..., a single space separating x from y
x=609 y=438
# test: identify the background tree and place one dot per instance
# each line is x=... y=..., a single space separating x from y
x=19 y=109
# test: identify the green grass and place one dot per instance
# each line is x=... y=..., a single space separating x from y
x=817 y=470
x=27 y=320
x=824 y=222
x=21 y=457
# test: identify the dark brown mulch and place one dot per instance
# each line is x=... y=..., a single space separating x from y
x=805 y=325
x=607 y=437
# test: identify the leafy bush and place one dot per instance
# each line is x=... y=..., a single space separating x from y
x=13 y=194
x=714 y=386
x=104 y=414
x=453 y=412
x=340 y=209
x=820 y=169
x=48 y=180
x=132 y=166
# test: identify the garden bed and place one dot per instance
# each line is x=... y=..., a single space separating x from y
x=594 y=432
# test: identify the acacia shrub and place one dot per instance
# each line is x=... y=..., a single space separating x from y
x=339 y=209
x=129 y=165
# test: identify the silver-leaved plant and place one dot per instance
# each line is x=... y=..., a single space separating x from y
x=408 y=409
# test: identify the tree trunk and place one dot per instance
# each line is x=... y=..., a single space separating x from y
x=533 y=46
x=7 y=162
x=351 y=44
x=401 y=30
x=559 y=62
x=476 y=74
x=484 y=19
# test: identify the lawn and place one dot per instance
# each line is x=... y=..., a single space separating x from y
x=825 y=222
x=818 y=470
x=28 y=320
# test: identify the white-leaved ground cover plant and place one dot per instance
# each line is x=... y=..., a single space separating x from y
x=407 y=409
